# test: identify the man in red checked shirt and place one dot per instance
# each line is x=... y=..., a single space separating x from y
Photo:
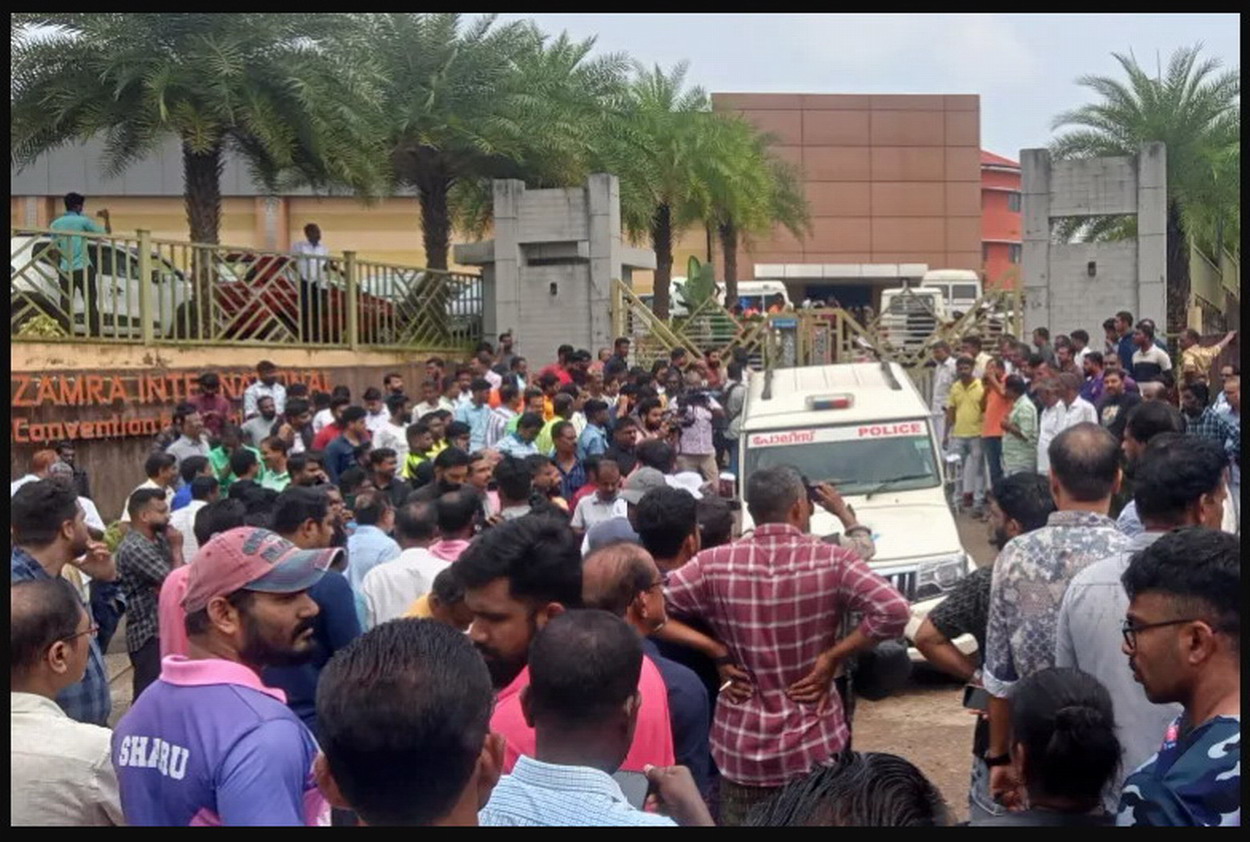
x=776 y=599
x=213 y=408
x=560 y=368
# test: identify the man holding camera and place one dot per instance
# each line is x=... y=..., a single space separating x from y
x=695 y=409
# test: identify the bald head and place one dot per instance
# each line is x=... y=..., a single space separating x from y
x=1085 y=462
x=612 y=577
x=41 y=613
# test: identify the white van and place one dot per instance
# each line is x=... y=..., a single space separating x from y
x=960 y=287
x=758 y=295
x=864 y=428
x=910 y=315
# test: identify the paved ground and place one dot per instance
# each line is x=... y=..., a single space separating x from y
x=927 y=724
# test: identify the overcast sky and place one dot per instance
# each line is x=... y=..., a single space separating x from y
x=1024 y=66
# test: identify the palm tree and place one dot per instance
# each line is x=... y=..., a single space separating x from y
x=758 y=192
x=1194 y=111
x=261 y=85
x=465 y=104
x=663 y=145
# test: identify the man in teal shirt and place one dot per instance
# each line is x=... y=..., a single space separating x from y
x=77 y=269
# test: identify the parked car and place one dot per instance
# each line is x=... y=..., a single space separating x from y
x=256 y=296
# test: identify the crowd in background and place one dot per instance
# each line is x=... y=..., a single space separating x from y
x=519 y=598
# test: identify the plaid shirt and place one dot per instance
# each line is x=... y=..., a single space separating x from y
x=777 y=599
x=1217 y=427
x=142 y=566
x=89 y=699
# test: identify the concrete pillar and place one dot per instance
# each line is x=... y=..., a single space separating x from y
x=1152 y=221
x=604 y=225
x=1035 y=251
x=501 y=312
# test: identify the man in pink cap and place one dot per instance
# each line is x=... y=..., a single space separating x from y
x=208 y=743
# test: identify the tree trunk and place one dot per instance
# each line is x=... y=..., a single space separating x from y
x=662 y=243
x=1178 y=281
x=729 y=255
x=202 y=194
x=435 y=219
x=202 y=197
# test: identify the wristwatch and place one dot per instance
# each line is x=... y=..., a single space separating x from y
x=1000 y=760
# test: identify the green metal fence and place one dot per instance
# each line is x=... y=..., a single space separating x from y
x=141 y=289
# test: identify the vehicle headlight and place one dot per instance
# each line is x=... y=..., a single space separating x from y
x=937 y=576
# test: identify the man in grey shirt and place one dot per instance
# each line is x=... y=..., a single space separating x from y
x=1179 y=483
x=191 y=440
x=260 y=427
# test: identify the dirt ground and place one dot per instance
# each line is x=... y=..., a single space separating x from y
x=926 y=723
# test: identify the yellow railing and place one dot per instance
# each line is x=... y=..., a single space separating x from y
x=141 y=289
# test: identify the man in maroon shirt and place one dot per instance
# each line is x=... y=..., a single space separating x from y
x=213 y=408
x=776 y=599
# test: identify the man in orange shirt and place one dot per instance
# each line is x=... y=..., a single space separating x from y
x=996 y=404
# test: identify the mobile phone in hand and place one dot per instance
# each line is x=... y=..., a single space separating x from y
x=634 y=785
x=976 y=698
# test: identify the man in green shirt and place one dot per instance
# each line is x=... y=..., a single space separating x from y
x=274 y=472
x=231 y=440
x=1019 y=429
x=77 y=269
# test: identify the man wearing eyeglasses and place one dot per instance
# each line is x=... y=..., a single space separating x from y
x=1182 y=637
x=623 y=579
x=1178 y=483
x=61 y=770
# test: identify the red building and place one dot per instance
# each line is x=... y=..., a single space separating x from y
x=1000 y=221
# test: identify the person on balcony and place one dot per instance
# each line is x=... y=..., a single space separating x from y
x=78 y=272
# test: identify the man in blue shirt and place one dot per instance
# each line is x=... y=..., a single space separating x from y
x=583 y=701
x=77 y=273
x=189 y=469
x=371 y=543
x=1184 y=595
x=594 y=439
x=521 y=443
x=341 y=453
x=623 y=579
x=476 y=413
x=49 y=531
x=304 y=517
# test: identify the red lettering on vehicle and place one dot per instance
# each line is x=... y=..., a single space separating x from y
x=787 y=438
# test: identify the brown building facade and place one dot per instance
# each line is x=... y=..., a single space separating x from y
x=893 y=183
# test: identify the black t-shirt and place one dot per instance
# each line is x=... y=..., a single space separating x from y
x=1113 y=412
x=966 y=610
x=626 y=460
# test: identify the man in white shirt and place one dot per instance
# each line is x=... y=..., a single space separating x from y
x=40 y=467
x=377 y=415
x=605 y=504
x=394 y=433
x=391 y=588
x=266 y=385
x=204 y=490
x=313 y=265
x=62 y=772
x=1078 y=410
x=64 y=473
x=432 y=400
x=162 y=471
x=1051 y=422
x=943 y=378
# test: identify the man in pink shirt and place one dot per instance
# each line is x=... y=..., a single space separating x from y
x=171 y=618
x=517 y=577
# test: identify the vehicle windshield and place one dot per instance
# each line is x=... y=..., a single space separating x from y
x=965 y=292
x=858 y=459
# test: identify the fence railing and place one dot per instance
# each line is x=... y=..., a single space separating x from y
x=141 y=289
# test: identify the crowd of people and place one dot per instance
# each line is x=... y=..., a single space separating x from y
x=519 y=599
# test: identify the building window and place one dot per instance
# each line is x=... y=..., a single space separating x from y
x=985 y=252
x=1013 y=202
x=1013 y=251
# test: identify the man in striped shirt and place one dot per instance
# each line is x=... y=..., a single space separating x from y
x=776 y=599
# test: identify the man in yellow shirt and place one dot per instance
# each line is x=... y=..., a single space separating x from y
x=444 y=602
x=1196 y=361
x=965 y=411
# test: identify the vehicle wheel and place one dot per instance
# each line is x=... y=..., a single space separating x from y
x=25 y=308
x=882 y=671
x=186 y=322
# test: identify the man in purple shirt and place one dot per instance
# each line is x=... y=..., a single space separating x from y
x=208 y=743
